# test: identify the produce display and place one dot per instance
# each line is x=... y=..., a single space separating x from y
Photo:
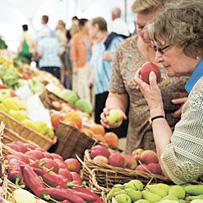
x=143 y=160
x=16 y=108
x=134 y=191
x=42 y=177
x=47 y=175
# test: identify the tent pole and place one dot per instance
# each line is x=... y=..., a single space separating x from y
x=125 y=10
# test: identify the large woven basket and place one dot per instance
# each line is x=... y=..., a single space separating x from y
x=72 y=142
x=48 y=97
x=102 y=177
x=26 y=132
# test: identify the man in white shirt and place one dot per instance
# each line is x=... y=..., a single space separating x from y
x=118 y=25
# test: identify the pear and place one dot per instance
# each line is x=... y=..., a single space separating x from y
x=134 y=195
x=159 y=191
x=122 y=198
x=181 y=201
x=150 y=196
x=137 y=184
x=170 y=197
x=161 y=186
x=129 y=185
x=112 y=192
x=177 y=191
x=142 y=201
x=168 y=201
x=194 y=189
x=118 y=186
x=194 y=197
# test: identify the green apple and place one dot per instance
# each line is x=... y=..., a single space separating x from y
x=115 y=118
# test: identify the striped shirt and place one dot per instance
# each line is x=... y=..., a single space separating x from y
x=102 y=68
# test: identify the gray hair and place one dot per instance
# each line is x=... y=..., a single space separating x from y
x=181 y=25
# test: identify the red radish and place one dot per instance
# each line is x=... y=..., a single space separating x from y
x=147 y=68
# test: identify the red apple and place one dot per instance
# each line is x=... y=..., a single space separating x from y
x=130 y=161
x=100 y=159
x=149 y=156
x=137 y=153
x=99 y=150
x=147 y=68
x=73 y=165
x=142 y=167
x=116 y=159
x=56 y=118
x=154 y=168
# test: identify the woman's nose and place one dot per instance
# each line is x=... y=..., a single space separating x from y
x=158 y=57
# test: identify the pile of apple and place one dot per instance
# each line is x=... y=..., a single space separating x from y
x=135 y=192
x=144 y=160
x=38 y=157
x=16 y=108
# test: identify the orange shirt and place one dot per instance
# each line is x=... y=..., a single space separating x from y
x=79 y=50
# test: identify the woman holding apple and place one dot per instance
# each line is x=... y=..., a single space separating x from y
x=130 y=56
x=177 y=35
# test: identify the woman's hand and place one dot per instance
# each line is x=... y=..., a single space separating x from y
x=180 y=101
x=104 y=120
x=151 y=93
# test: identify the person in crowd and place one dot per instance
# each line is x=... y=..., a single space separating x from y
x=177 y=35
x=80 y=55
x=45 y=29
x=49 y=55
x=26 y=46
x=118 y=25
x=101 y=67
x=68 y=63
x=61 y=36
x=75 y=25
x=130 y=56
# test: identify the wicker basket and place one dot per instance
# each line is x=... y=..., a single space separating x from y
x=72 y=142
x=102 y=177
x=26 y=132
x=48 y=97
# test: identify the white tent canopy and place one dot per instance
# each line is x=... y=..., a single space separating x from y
x=14 y=13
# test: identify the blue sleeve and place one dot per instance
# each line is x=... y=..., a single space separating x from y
x=114 y=44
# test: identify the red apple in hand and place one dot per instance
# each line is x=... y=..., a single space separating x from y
x=146 y=69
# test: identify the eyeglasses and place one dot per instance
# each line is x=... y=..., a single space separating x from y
x=161 y=50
